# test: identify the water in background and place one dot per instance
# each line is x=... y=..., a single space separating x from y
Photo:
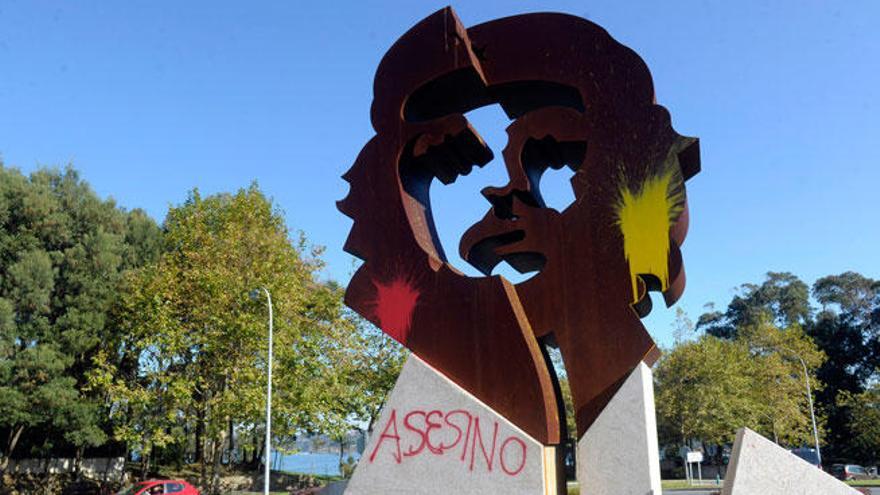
x=309 y=463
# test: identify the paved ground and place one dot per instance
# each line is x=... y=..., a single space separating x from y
x=874 y=491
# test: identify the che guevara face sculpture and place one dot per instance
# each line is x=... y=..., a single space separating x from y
x=576 y=98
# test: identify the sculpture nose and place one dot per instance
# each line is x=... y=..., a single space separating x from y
x=501 y=199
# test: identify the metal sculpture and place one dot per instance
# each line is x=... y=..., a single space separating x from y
x=577 y=99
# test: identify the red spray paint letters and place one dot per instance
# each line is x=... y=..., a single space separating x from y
x=458 y=434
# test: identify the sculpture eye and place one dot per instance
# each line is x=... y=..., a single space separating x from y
x=550 y=165
x=442 y=156
x=556 y=189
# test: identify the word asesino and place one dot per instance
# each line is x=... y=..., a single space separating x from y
x=457 y=433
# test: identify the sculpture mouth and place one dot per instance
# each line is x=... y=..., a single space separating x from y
x=491 y=241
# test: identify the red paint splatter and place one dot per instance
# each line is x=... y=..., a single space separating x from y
x=395 y=303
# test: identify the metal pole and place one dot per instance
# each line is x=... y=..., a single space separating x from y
x=812 y=413
x=268 y=459
x=810 y=399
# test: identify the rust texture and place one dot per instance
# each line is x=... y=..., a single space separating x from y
x=576 y=98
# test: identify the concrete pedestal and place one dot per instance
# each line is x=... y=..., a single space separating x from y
x=433 y=437
x=759 y=466
x=618 y=455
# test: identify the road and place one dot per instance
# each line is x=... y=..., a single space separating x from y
x=874 y=491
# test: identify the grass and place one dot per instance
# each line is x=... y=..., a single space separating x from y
x=682 y=484
x=573 y=488
x=325 y=478
x=864 y=483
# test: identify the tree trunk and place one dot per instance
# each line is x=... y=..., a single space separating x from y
x=145 y=466
x=77 y=463
x=259 y=446
x=11 y=442
x=254 y=446
x=217 y=454
x=203 y=468
x=373 y=417
x=230 y=458
x=200 y=429
x=183 y=451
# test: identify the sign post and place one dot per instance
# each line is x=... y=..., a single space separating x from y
x=694 y=458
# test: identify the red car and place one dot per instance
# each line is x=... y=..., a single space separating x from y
x=151 y=487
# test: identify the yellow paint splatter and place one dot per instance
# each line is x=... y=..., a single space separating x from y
x=644 y=216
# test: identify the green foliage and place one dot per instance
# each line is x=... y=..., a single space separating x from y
x=699 y=391
x=710 y=387
x=191 y=352
x=853 y=295
x=682 y=327
x=782 y=297
x=568 y=403
x=376 y=363
x=846 y=329
x=62 y=253
x=864 y=422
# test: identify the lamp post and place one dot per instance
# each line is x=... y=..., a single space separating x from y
x=254 y=295
x=809 y=398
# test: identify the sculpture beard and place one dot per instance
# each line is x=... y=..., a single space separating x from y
x=578 y=99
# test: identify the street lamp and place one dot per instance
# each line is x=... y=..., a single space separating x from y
x=254 y=295
x=809 y=398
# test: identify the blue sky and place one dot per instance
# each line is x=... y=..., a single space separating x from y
x=151 y=99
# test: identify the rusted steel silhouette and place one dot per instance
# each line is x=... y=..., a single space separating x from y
x=577 y=99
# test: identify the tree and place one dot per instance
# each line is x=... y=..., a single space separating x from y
x=374 y=371
x=568 y=404
x=782 y=297
x=195 y=344
x=366 y=365
x=847 y=329
x=781 y=355
x=708 y=388
x=701 y=391
x=682 y=327
x=863 y=411
x=62 y=253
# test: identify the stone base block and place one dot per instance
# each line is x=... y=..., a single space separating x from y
x=433 y=437
x=759 y=466
x=619 y=455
